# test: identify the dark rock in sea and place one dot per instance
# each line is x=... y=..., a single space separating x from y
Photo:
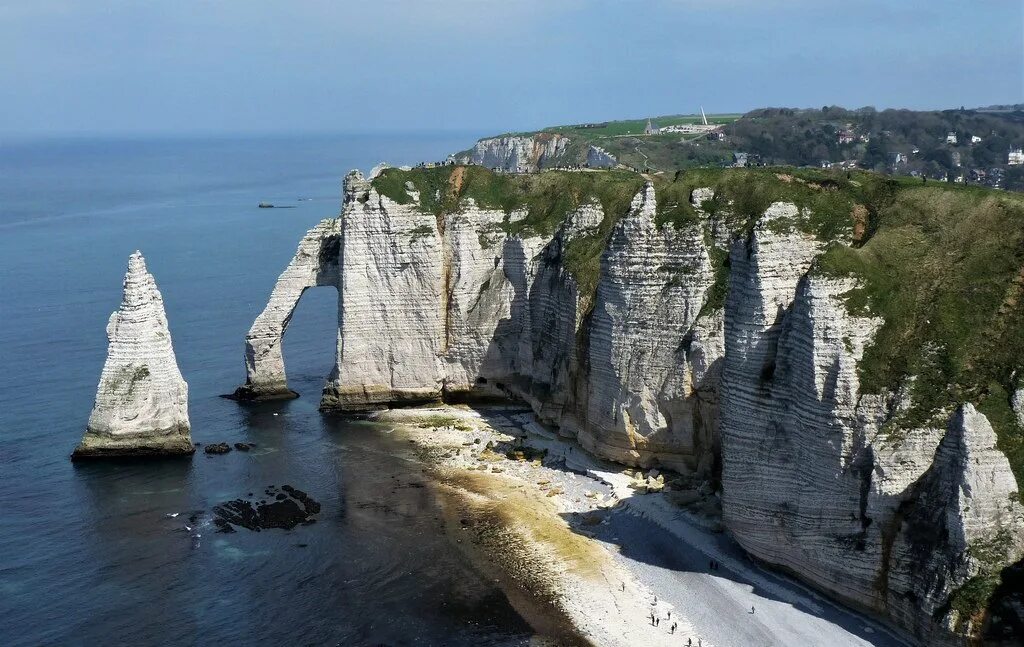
x=217 y=448
x=243 y=447
x=289 y=508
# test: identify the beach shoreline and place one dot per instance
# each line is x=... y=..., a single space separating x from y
x=591 y=552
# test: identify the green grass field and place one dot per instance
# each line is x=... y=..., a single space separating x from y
x=636 y=126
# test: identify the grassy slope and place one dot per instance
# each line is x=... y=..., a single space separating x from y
x=621 y=138
x=945 y=269
x=943 y=265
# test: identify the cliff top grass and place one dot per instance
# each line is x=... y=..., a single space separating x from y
x=623 y=127
x=944 y=269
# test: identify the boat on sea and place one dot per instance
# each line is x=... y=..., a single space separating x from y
x=266 y=205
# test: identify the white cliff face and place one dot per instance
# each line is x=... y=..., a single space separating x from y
x=598 y=157
x=517 y=154
x=651 y=371
x=392 y=303
x=640 y=392
x=812 y=479
x=479 y=299
x=141 y=405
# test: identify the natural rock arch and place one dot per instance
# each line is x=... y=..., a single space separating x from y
x=315 y=264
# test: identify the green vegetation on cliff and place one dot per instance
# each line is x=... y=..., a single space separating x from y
x=942 y=265
x=547 y=198
x=944 y=269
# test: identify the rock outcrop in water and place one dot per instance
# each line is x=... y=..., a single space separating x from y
x=141 y=406
x=706 y=324
x=285 y=507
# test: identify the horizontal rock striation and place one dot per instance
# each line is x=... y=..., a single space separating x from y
x=141 y=406
x=672 y=323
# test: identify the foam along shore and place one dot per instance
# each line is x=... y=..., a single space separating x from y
x=593 y=553
x=141 y=406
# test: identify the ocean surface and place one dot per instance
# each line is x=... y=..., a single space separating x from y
x=88 y=552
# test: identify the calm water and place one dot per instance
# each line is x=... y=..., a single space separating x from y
x=88 y=554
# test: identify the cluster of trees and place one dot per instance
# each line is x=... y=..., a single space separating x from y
x=808 y=137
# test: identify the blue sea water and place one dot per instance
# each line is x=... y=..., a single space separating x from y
x=88 y=553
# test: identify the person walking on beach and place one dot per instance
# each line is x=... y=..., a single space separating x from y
x=751 y=608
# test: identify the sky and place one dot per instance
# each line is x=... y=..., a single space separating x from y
x=284 y=66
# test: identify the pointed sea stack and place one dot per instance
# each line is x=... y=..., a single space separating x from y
x=141 y=406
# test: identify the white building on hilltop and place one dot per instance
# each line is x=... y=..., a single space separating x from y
x=1015 y=158
x=951 y=138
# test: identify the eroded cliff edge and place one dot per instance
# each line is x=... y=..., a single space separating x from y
x=841 y=355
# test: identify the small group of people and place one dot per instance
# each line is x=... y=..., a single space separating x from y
x=713 y=565
x=656 y=622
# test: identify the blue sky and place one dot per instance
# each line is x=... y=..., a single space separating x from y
x=197 y=66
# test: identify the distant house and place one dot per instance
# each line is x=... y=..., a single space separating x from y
x=650 y=129
x=899 y=158
x=1016 y=157
x=956 y=158
x=975 y=139
x=951 y=137
x=846 y=137
x=739 y=159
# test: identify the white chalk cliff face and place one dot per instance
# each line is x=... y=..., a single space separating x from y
x=141 y=406
x=648 y=369
x=519 y=154
x=812 y=481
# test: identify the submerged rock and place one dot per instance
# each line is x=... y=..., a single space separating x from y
x=284 y=507
x=141 y=406
x=217 y=448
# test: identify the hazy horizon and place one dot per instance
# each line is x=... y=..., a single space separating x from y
x=198 y=67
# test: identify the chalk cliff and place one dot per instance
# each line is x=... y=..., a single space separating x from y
x=141 y=406
x=731 y=325
x=532 y=153
x=517 y=153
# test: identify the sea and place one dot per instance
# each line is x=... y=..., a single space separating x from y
x=105 y=553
